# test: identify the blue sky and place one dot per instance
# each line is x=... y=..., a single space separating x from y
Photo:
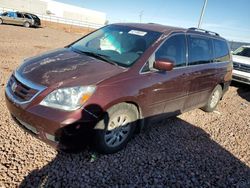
x=230 y=18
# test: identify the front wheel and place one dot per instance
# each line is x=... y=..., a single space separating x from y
x=214 y=99
x=116 y=129
x=1 y=21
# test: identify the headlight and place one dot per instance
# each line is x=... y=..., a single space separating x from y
x=68 y=98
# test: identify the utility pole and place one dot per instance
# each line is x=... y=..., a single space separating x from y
x=140 y=15
x=202 y=13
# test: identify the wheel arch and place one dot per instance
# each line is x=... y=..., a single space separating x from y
x=224 y=87
x=141 y=121
x=131 y=101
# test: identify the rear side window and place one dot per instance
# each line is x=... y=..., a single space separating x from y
x=12 y=14
x=200 y=50
x=173 y=49
x=242 y=51
x=221 y=51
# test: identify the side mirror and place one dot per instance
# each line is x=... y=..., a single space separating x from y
x=164 y=64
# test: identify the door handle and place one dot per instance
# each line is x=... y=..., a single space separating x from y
x=184 y=75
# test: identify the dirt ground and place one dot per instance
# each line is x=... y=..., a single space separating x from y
x=66 y=27
x=194 y=149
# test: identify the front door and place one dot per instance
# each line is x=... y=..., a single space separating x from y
x=165 y=92
x=19 y=19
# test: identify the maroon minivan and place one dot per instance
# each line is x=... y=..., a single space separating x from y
x=114 y=79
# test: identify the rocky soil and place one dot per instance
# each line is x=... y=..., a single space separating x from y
x=195 y=149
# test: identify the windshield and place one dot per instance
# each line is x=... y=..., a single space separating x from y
x=120 y=44
x=242 y=51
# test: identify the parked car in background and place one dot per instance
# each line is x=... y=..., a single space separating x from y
x=241 y=63
x=20 y=18
x=116 y=78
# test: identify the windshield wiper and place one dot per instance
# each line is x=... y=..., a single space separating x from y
x=97 y=55
x=100 y=56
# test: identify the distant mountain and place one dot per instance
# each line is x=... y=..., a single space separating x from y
x=234 y=45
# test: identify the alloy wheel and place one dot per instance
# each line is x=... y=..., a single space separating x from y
x=118 y=130
x=215 y=99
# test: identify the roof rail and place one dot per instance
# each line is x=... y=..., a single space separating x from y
x=203 y=30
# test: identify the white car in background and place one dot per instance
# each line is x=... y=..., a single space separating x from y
x=241 y=63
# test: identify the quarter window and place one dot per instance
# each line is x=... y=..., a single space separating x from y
x=221 y=51
x=5 y=14
x=199 y=50
x=173 y=49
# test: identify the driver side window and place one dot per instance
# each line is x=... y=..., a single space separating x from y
x=19 y=15
x=173 y=49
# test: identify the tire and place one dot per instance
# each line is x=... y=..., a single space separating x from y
x=1 y=21
x=26 y=24
x=213 y=100
x=110 y=135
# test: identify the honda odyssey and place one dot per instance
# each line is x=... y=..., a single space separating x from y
x=114 y=79
x=20 y=18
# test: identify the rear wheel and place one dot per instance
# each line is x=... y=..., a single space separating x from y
x=1 y=21
x=26 y=24
x=116 y=129
x=214 y=99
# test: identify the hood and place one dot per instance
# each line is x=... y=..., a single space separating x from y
x=66 y=68
x=241 y=59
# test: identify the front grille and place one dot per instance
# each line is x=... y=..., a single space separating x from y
x=241 y=79
x=241 y=67
x=20 y=91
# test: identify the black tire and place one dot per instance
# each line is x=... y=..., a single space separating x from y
x=26 y=24
x=1 y=21
x=104 y=133
x=213 y=100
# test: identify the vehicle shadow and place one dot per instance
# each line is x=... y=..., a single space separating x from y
x=22 y=26
x=243 y=90
x=169 y=152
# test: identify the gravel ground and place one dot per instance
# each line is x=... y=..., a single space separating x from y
x=195 y=149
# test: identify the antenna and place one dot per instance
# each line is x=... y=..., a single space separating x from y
x=140 y=15
x=202 y=13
